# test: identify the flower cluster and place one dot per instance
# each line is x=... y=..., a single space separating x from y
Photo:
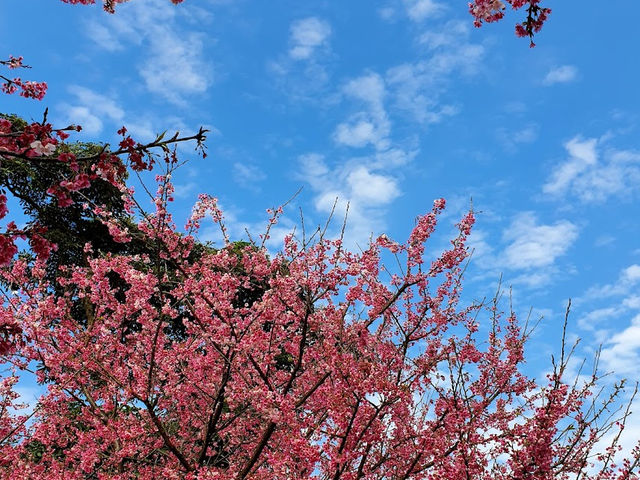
x=26 y=88
x=108 y=5
x=493 y=10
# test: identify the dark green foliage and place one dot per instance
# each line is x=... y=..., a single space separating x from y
x=71 y=227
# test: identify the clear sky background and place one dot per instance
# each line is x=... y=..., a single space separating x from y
x=386 y=105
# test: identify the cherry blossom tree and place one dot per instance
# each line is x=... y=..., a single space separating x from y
x=316 y=362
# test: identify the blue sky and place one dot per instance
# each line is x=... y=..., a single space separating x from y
x=386 y=105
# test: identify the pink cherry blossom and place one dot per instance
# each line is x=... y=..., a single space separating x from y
x=42 y=150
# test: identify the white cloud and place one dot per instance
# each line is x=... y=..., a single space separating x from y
x=594 y=176
x=370 y=126
x=632 y=302
x=247 y=175
x=173 y=63
x=82 y=116
x=595 y=318
x=90 y=110
x=527 y=134
x=448 y=36
x=370 y=188
x=418 y=87
x=175 y=66
x=419 y=10
x=532 y=245
x=361 y=130
x=387 y=13
x=307 y=35
x=582 y=154
x=102 y=104
x=631 y=274
x=512 y=139
x=604 y=240
x=621 y=352
x=369 y=88
x=534 y=279
x=616 y=328
x=358 y=132
x=314 y=170
x=186 y=190
x=142 y=129
x=394 y=157
x=487 y=257
x=301 y=72
x=104 y=36
x=627 y=282
x=367 y=191
x=562 y=74
x=526 y=253
x=96 y=111
x=479 y=244
x=604 y=321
